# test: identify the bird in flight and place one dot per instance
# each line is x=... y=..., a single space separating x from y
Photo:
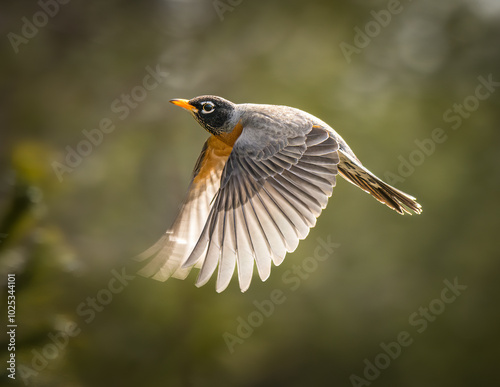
x=262 y=179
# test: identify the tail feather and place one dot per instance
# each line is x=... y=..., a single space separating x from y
x=351 y=169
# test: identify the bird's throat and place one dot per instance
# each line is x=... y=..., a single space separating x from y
x=231 y=137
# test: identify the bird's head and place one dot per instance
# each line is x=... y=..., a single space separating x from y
x=215 y=114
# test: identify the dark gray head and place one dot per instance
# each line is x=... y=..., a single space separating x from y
x=215 y=114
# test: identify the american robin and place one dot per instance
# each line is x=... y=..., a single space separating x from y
x=263 y=177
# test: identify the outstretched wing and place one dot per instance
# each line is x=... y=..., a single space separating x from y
x=172 y=250
x=269 y=198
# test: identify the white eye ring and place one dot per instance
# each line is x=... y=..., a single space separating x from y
x=207 y=107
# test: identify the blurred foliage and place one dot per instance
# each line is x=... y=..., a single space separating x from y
x=63 y=239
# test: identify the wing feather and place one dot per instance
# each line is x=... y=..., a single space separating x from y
x=254 y=208
x=267 y=202
x=257 y=236
x=166 y=257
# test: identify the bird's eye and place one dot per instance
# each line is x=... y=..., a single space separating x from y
x=208 y=107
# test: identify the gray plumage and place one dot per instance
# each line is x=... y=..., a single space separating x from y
x=256 y=202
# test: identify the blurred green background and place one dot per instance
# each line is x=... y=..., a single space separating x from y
x=64 y=233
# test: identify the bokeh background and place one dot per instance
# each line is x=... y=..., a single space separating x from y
x=64 y=235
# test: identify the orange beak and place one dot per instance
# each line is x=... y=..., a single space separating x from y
x=183 y=103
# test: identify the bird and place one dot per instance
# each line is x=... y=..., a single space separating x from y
x=262 y=179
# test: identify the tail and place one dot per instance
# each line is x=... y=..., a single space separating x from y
x=353 y=171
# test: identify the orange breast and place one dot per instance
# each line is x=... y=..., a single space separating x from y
x=218 y=150
x=230 y=138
